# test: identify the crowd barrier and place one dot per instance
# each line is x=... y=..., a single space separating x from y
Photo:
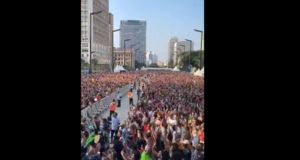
x=102 y=106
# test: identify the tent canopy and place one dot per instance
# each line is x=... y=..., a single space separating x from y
x=119 y=68
x=176 y=69
x=199 y=72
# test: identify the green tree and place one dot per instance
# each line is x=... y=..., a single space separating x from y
x=171 y=63
x=127 y=67
x=139 y=65
x=153 y=65
x=94 y=61
x=84 y=64
x=195 y=59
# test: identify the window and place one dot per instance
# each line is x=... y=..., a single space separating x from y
x=84 y=50
x=84 y=45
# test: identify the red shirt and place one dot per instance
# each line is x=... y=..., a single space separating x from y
x=201 y=137
x=146 y=128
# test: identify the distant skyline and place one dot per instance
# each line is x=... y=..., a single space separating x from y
x=165 y=19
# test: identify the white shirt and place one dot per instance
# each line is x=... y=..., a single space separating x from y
x=115 y=123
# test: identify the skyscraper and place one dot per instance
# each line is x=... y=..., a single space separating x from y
x=135 y=30
x=180 y=49
x=172 y=50
x=100 y=31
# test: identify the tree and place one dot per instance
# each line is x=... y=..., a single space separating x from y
x=195 y=59
x=127 y=67
x=138 y=65
x=84 y=64
x=170 y=63
x=154 y=65
x=94 y=61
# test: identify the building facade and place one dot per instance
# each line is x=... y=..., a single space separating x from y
x=186 y=49
x=154 y=58
x=135 y=30
x=126 y=59
x=172 y=50
x=148 y=58
x=100 y=35
x=110 y=37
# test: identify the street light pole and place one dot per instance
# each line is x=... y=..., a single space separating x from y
x=190 y=50
x=183 y=47
x=200 y=45
x=131 y=47
x=93 y=13
x=133 y=60
x=124 y=49
x=112 y=54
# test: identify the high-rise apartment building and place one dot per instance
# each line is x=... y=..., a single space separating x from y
x=172 y=50
x=135 y=30
x=154 y=58
x=176 y=48
x=149 y=58
x=100 y=34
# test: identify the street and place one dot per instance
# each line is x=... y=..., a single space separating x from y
x=124 y=109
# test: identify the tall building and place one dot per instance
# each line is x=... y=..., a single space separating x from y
x=100 y=34
x=135 y=30
x=187 y=46
x=149 y=57
x=176 y=49
x=172 y=50
x=154 y=58
x=110 y=37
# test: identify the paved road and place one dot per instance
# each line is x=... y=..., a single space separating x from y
x=123 y=110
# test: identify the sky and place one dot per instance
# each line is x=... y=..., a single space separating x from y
x=165 y=19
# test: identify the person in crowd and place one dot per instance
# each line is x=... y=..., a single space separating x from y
x=198 y=153
x=166 y=123
x=119 y=98
x=146 y=155
x=130 y=97
x=115 y=122
x=118 y=147
x=113 y=107
x=138 y=92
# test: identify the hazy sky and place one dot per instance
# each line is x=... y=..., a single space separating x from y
x=165 y=19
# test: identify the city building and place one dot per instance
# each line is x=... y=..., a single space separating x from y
x=110 y=37
x=180 y=49
x=135 y=30
x=148 y=58
x=172 y=50
x=154 y=58
x=176 y=49
x=124 y=60
x=100 y=34
x=160 y=64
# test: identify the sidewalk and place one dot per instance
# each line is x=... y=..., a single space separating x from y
x=124 y=109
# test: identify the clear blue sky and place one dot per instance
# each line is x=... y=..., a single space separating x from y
x=165 y=19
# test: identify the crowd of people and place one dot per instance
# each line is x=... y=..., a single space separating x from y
x=166 y=123
x=97 y=86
